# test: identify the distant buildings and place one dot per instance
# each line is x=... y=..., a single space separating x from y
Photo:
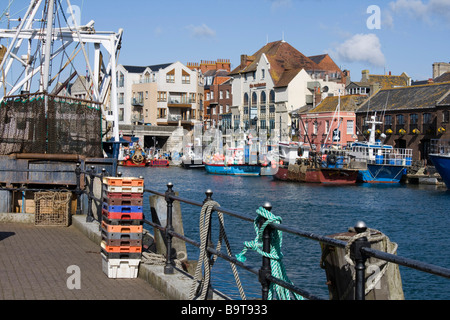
x=272 y=85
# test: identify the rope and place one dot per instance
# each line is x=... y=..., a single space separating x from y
x=202 y=283
x=276 y=264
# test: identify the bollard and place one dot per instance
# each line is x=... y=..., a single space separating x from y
x=168 y=268
x=78 y=189
x=360 y=259
x=90 y=215
x=265 y=269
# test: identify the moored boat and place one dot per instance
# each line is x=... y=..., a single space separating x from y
x=378 y=162
x=441 y=159
x=233 y=169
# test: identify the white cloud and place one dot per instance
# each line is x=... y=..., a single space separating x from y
x=418 y=9
x=202 y=31
x=364 y=48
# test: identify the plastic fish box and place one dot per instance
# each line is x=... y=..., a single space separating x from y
x=121 y=229
x=121 y=255
x=122 y=216
x=122 y=242
x=122 y=222
x=125 y=181
x=120 y=249
x=121 y=236
x=124 y=189
x=120 y=268
x=125 y=201
x=122 y=209
x=122 y=195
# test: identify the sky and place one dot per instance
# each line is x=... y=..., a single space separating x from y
x=382 y=36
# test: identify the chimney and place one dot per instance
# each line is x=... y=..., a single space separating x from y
x=243 y=60
x=365 y=76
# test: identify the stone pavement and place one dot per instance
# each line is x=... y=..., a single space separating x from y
x=35 y=264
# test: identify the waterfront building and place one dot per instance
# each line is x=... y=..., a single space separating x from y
x=272 y=85
x=333 y=121
x=168 y=94
x=371 y=84
x=217 y=92
x=410 y=116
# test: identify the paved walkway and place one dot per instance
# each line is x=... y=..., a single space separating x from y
x=34 y=262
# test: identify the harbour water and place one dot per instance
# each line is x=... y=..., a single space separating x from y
x=416 y=217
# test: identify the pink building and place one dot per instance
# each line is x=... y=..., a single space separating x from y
x=333 y=121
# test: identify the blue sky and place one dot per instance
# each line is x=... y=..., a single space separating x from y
x=412 y=34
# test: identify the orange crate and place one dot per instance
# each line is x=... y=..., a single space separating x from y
x=119 y=249
x=124 y=182
x=121 y=229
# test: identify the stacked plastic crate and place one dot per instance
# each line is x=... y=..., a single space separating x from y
x=122 y=223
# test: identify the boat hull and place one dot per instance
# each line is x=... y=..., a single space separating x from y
x=158 y=163
x=381 y=173
x=442 y=165
x=189 y=164
x=130 y=163
x=237 y=169
x=316 y=175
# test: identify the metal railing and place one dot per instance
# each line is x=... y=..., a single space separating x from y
x=360 y=249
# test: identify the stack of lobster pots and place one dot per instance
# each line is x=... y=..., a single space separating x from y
x=122 y=226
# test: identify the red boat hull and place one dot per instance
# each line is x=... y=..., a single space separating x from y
x=159 y=163
x=318 y=175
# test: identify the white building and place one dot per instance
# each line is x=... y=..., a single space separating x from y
x=164 y=95
x=271 y=85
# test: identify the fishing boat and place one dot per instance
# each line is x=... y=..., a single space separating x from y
x=304 y=164
x=132 y=155
x=233 y=163
x=441 y=159
x=191 y=159
x=156 y=159
x=378 y=162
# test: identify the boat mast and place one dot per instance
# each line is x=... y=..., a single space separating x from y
x=47 y=51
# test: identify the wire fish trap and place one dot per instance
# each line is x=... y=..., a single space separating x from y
x=52 y=208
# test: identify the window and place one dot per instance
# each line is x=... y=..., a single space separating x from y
x=221 y=94
x=315 y=127
x=414 y=118
x=121 y=98
x=146 y=94
x=228 y=94
x=121 y=79
x=388 y=120
x=162 y=112
x=208 y=96
x=263 y=73
x=170 y=76
x=221 y=109
x=350 y=126
x=246 y=99
x=400 y=119
x=427 y=118
x=162 y=96
x=185 y=78
x=327 y=126
x=121 y=114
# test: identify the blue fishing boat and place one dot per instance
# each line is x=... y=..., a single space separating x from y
x=441 y=159
x=233 y=169
x=378 y=162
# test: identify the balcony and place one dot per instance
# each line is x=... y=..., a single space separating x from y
x=180 y=102
x=137 y=102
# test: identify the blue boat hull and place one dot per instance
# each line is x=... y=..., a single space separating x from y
x=237 y=169
x=381 y=174
x=442 y=165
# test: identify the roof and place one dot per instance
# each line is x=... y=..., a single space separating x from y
x=140 y=69
x=445 y=77
x=348 y=103
x=285 y=62
x=404 y=98
x=389 y=81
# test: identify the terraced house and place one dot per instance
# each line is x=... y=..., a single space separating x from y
x=410 y=117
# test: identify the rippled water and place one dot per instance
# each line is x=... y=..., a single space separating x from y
x=415 y=217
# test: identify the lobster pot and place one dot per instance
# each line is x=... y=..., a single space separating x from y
x=383 y=280
x=52 y=208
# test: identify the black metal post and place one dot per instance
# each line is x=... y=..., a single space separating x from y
x=100 y=216
x=78 y=190
x=168 y=268
x=265 y=269
x=360 y=259
x=90 y=215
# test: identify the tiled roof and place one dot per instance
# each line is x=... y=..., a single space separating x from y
x=445 y=101
x=412 y=97
x=285 y=62
x=325 y=62
x=389 y=81
x=348 y=103
x=445 y=77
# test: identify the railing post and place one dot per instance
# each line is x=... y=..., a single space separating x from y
x=100 y=216
x=90 y=215
x=265 y=268
x=168 y=268
x=78 y=190
x=360 y=260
